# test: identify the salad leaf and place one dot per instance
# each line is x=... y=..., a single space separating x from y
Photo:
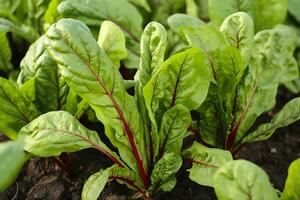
x=292 y=184
x=12 y=159
x=287 y=115
x=15 y=109
x=241 y=179
x=112 y=40
x=94 y=185
x=56 y=132
x=206 y=161
x=238 y=30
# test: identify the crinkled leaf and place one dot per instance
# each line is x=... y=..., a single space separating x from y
x=175 y=123
x=178 y=21
x=56 y=132
x=94 y=12
x=243 y=180
x=153 y=47
x=94 y=185
x=292 y=184
x=287 y=115
x=206 y=161
x=5 y=53
x=238 y=30
x=163 y=174
x=15 y=109
x=91 y=74
x=12 y=158
x=265 y=13
x=257 y=93
x=112 y=40
x=38 y=68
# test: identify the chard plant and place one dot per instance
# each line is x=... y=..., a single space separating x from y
x=146 y=129
x=246 y=70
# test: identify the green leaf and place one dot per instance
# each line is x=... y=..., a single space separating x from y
x=292 y=184
x=163 y=174
x=24 y=31
x=51 y=14
x=94 y=185
x=191 y=8
x=238 y=30
x=206 y=161
x=5 y=54
x=153 y=47
x=257 y=93
x=94 y=12
x=287 y=115
x=15 y=110
x=12 y=158
x=126 y=176
x=40 y=69
x=173 y=81
x=265 y=13
x=56 y=132
x=91 y=74
x=112 y=40
x=175 y=123
x=142 y=3
x=243 y=180
x=294 y=7
x=207 y=38
x=10 y=6
x=177 y=21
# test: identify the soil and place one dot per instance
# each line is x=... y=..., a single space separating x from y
x=42 y=179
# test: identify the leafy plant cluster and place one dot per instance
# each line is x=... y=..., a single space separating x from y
x=224 y=62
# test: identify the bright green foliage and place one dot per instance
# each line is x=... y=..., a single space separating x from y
x=112 y=40
x=67 y=135
x=246 y=71
x=292 y=184
x=287 y=115
x=265 y=13
x=206 y=161
x=142 y=3
x=12 y=159
x=238 y=30
x=15 y=109
x=91 y=74
x=94 y=12
x=38 y=69
x=94 y=185
x=177 y=21
x=243 y=180
x=163 y=175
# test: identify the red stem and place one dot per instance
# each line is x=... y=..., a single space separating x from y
x=139 y=162
x=131 y=183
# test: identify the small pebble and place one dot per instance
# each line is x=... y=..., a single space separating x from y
x=273 y=150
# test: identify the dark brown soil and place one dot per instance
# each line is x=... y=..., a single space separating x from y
x=42 y=179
